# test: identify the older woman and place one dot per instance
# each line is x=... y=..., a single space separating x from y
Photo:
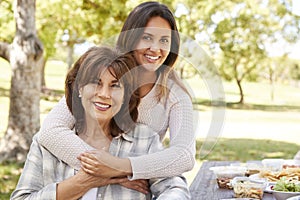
x=100 y=94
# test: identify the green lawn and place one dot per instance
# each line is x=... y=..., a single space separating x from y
x=235 y=144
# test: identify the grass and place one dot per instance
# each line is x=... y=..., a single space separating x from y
x=243 y=146
x=9 y=173
x=249 y=149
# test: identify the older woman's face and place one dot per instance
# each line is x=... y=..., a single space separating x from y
x=154 y=45
x=102 y=99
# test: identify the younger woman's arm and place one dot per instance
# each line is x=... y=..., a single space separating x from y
x=172 y=161
x=57 y=136
x=178 y=158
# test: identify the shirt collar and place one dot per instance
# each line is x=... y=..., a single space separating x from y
x=126 y=136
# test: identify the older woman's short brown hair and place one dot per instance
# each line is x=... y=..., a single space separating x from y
x=86 y=69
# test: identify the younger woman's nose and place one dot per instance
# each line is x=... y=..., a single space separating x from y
x=155 y=47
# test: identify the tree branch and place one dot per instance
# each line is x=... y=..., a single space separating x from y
x=5 y=50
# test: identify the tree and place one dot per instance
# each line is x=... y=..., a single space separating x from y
x=87 y=20
x=24 y=55
x=92 y=20
x=238 y=31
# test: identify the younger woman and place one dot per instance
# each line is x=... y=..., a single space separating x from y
x=150 y=34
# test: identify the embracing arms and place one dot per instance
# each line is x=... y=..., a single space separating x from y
x=56 y=136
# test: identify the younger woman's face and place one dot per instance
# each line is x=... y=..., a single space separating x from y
x=155 y=44
x=102 y=98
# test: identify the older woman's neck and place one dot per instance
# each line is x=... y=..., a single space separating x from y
x=97 y=135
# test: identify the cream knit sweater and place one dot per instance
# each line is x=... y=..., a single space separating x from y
x=176 y=114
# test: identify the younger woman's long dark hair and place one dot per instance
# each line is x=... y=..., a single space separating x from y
x=132 y=32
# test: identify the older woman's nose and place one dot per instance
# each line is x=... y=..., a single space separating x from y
x=104 y=92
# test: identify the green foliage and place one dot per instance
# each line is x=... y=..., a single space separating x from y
x=6 y=21
x=86 y=20
x=295 y=72
x=238 y=31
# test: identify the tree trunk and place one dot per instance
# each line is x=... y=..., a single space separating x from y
x=239 y=83
x=271 y=80
x=43 y=65
x=70 y=48
x=24 y=55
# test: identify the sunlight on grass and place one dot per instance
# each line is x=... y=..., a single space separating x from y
x=56 y=72
x=9 y=176
x=250 y=149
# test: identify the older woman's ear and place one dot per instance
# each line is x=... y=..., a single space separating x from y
x=80 y=90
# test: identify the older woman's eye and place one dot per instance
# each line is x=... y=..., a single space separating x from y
x=116 y=85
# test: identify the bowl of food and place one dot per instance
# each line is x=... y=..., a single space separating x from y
x=275 y=176
x=291 y=164
x=244 y=187
x=273 y=164
x=224 y=174
x=253 y=167
x=285 y=188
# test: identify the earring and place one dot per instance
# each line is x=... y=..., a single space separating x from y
x=79 y=96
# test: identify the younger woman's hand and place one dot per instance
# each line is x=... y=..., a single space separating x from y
x=103 y=164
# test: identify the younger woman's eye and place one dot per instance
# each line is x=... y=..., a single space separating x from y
x=146 y=37
x=164 y=41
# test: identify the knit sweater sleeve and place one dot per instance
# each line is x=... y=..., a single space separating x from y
x=179 y=157
x=57 y=136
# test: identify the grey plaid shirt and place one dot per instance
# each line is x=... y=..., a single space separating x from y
x=42 y=171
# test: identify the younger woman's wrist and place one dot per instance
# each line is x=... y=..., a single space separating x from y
x=125 y=167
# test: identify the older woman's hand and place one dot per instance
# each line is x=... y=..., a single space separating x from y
x=99 y=163
x=84 y=182
x=103 y=164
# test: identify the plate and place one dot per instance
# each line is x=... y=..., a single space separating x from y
x=268 y=189
x=294 y=198
x=279 y=195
